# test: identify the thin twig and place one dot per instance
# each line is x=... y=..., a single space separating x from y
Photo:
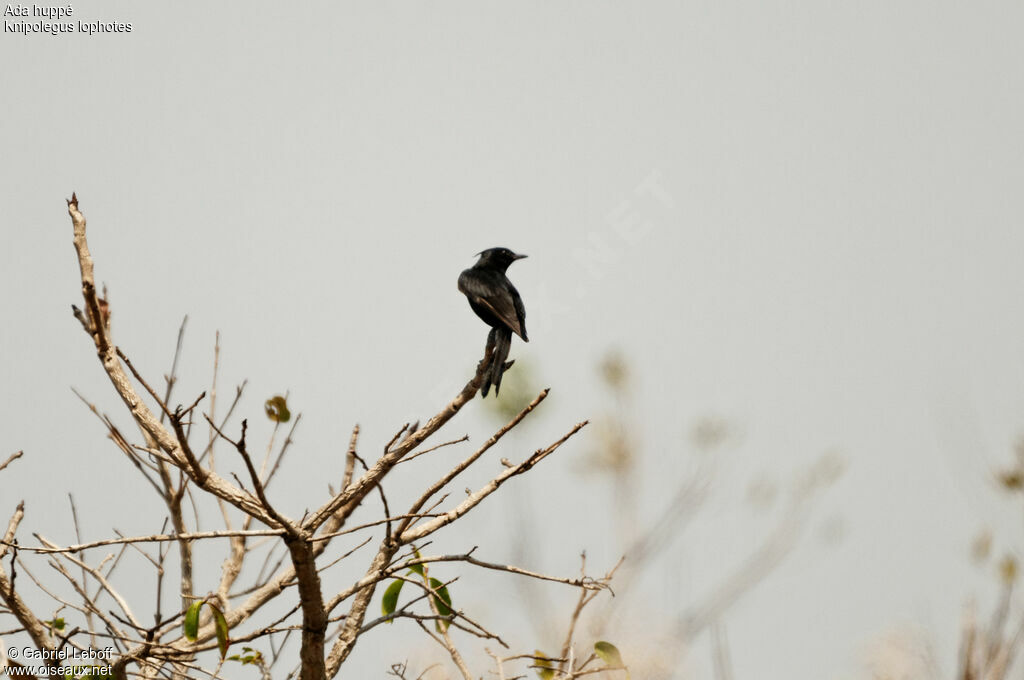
x=11 y=458
x=173 y=377
x=474 y=499
x=454 y=472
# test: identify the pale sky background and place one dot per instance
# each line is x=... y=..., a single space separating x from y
x=831 y=262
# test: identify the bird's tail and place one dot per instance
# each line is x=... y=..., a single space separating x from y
x=502 y=345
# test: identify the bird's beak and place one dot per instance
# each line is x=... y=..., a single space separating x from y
x=519 y=257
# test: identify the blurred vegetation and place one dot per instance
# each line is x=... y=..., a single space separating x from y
x=647 y=523
x=519 y=386
x=988 y=650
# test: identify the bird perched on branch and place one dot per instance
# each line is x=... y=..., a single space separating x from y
x=495 y=300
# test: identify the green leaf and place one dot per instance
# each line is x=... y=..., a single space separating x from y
x=609 y=653
x=443 y=602
x=389 y=602
x=192 y=620
x=56 y=623
x=547 y=668
x=221 y=626
x=277 y=409
x=252 y=656
x=418 y=568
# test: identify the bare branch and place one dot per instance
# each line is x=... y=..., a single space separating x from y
x=172 y=377
x=358 y=489
x=153 y=538
x=140 y=412
x=423 y=530
x=445 y=641
x=284 y=449
x=435 y=447
x=350 y=458
x=11 y=458
x=585 y=598
x=94 y=322
x=357 y=612
x=454 y=472
x=280 y=520
x=78 y=537
x=95 y=573
x=585 y=582
x=12 y=528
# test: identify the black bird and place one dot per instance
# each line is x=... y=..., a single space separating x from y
x=495 y=300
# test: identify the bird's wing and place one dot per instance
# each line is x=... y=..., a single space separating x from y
x=502 y=306
x=520 y=314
